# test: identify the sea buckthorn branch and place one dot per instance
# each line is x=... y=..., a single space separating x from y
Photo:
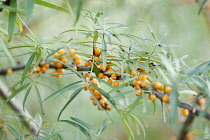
x=184 y=131
x=187 y=106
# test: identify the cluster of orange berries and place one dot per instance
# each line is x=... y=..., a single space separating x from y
x=42 y=68
x=97 y=58
x=76 y=58
x=98 y=96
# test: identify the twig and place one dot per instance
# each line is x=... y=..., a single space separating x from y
x=185 y=127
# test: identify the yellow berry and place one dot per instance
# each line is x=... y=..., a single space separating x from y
x=168 y=89
x=110 y=81
x=165 y=98
x=201 y=101
x=152 y=97
x=116 y=84
x=97 y=51
x=114 y=76
x=9 y=71
x=185 y=112
x=139 y=92
x=43 y=69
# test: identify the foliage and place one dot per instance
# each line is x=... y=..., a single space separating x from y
x=128 y=57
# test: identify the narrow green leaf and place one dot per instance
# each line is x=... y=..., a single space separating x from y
x=139 y=122
x=79 y=8
x=78 y=126
x=2 y=44
x=26 y=95
x=50 y=5
x=95 y=36
x=70 y=11
x=16 y=92
x=104 y=49
x=39 y=99
x=133 y=106
x=198 y=69
x=151 y=29
x=84 y=124
x=64 y=89
x=38 y=55
x=14 y=131
x=48 y=137
x=96 y=69
x=12 y=19
x=201 y=7
x=29 y=8
x=28 y=66
x=103 y=127
x=74 y=95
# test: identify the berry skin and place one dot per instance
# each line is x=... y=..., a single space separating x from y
x=78 y=62
x=201 y=101
x=108 y=107
x=116 y=84
x=97 y=51
x=9 y=72
x=136 y=87
x=58 y=76
x=101 y=75
x=132 y=72
x=161 y=88
x=165 y=98
x=38 y=70
x=114 y=76
x=110 y=81
x=85 y=88
x=87 y=64
x=157 y=85
x=168 y=89
x=138 y=82
x=60 y=70
x=109 y=71
x=152 y=97
x=56 y=54
x=119 y=73
x=59 y=65
x=43 y=69
x=75 y=67
x=138 y=93
x=185 y=112
x=61 y=51
x=91 y=97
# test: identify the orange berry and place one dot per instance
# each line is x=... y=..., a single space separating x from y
x=188 y=136
x=157 y=85
x=165 y=98
x=139 y=92
x=9 y=71
x=59 y=65
x=138 y=82
x=55 y=62
x=58 y=76
x=201 y=101
x=91 y=97
x=152 y=97
x=56 y=54
x=97 y=51
x=132 y=72
x=94 y=103
x=75 y=67
x=77 y=57
x=91 y=88
x=43 y=69
x=90 y=55
x=110 y=81
x=109 y=71
x=62 y=57
x=161 y=88
x=101 y=67
x=108 y=67
x=87 y=63
x=37 y=70
x=61 y=51
x=85 y=87
x=72 y=50
x=60 y=70
x=102 y=102
x=185 y=112
x=168 y=89
x=64 y=60
x=78 y=62
x=147 y=82
x=137 y=87
x=119 y=73
x=85 y=75
x=191 y=97
x=114 y=76
x=143 y=85
x=108 y=107
x=101 y=75
x=116 y=84
x=47 y=66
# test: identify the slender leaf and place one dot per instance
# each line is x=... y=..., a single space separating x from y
x=28 y=66
x=39 y=99
x=104 y=49
x=78 y=126
x=29 y=8
x=48 y=137
x=12 y=19
x=79 y=8
x=16 y=92
x=83 y=123
x=64 y=89
x=26 y=95
x=14 y=131
x=103 y=127
x=201 y=7
x=96 y=69
x=50 y=5
x=74 y=95
x=2 y=44
x=133 y=106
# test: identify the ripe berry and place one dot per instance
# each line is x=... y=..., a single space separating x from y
x=91 y=97
x=136 y=87
x=132 y=72
x=157 y=85
x=43 y=69
x=185 y=112
x=116 y=84
x=168 y=89
x=165 y=98
x=61 y=51
x=9 y=71
x=58 y=76
x=78 y=62
x=85 y=87
x=147 y=82
x=59 y=65
x=37 y=70
x=97 y=51
x=114 y=76
x=161 y=88
x=119 y=73
x=60 y=70
x=101 y=75
x=109 y=71
x=75 y=67
x=138 y=82
x=152 y=97
x=108 y=107
x=110 y=81
x=139 y=92
x=201 y=101
x=87 y=63
x=56 y=54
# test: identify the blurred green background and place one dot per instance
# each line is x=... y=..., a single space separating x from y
x=184 y=27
